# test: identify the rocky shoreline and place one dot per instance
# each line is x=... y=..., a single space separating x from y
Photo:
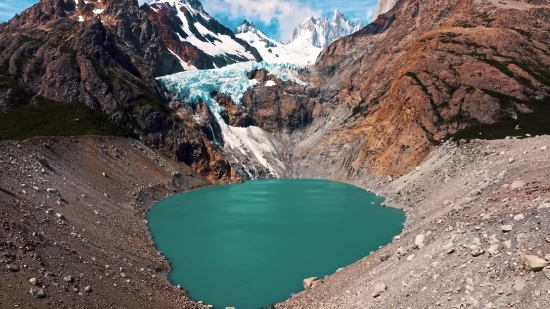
x=75 y=236
x=477 y=216
x=73 y=224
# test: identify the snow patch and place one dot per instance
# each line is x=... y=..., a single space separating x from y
x=98 y=11
x=252 y=141
x=299 y=51
x=80 y=18
x=185 y=65
x=270 y=83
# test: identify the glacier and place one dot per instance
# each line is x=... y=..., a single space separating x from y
x=252 y=143
x=193 y=86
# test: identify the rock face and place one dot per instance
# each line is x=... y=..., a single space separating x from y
x=60 y=51
x=429 y=70
x=320 y=31
x=382 y=7
x=278 y=106
x=196 y=39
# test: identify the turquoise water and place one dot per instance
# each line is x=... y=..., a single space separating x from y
x=251 y=245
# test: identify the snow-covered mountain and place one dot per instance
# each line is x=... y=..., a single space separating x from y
x=299 y=51
x=383 y=6
x=196 y=39
x=320 y=31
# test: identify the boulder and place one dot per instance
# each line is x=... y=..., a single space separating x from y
x=506 y=228
x=308 y=282
x=378 y=289
x=38 y=292
x=519 y=217
x=546 y=272
x=517 y=184
x=493 y=249
x=419 y=241
x=545 y=204
x=534 y=262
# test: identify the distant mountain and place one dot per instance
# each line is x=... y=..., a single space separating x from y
x=299 y=51
x=320 y=31
x=198 y=40
x=383 y=6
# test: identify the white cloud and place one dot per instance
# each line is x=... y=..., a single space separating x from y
x=370 y=14
x=288 y=13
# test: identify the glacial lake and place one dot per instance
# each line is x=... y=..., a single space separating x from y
x=251 y=245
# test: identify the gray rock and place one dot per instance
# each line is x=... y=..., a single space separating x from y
x=493 y=249
x=546 y=272
x=506 y=228
x=534 y=262
x=38 y=292
x=419 y=241
x=519 y=217
x=308 y=282
x=545 y=204
x=13 y=267
x=517 y=184
x=507 y=244
x=475 y=250
x=68 y=278
x=33 y=281
x=378 y=289
x=88 y=289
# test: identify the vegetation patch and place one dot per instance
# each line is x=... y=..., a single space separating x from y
x=53 y=118
x=358 y=109
x=36 y=41
x=16 y=94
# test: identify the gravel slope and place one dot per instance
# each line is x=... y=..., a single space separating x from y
x=70 y=226
x=460 y=199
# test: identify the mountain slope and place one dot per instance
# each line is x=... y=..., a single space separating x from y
x=198 y=40
x=299 y=51
x=430 y=70
x=103 y=58
x=320 y=31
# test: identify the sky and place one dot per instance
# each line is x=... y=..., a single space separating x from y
x=276 y=18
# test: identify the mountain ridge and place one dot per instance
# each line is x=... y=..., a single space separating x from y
x=321 y=31
x=299 y=51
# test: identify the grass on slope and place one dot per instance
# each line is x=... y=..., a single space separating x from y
x=53 y=118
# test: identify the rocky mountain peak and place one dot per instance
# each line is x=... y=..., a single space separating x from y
x=246 y=26
x=320 y=32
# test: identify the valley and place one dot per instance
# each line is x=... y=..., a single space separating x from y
x=442 y=107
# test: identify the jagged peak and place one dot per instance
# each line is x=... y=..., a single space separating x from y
x=246 y=26
x=321 y=31
x=193 y=6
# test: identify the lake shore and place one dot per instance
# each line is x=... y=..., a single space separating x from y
x=459 y=202
x=458 y=199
